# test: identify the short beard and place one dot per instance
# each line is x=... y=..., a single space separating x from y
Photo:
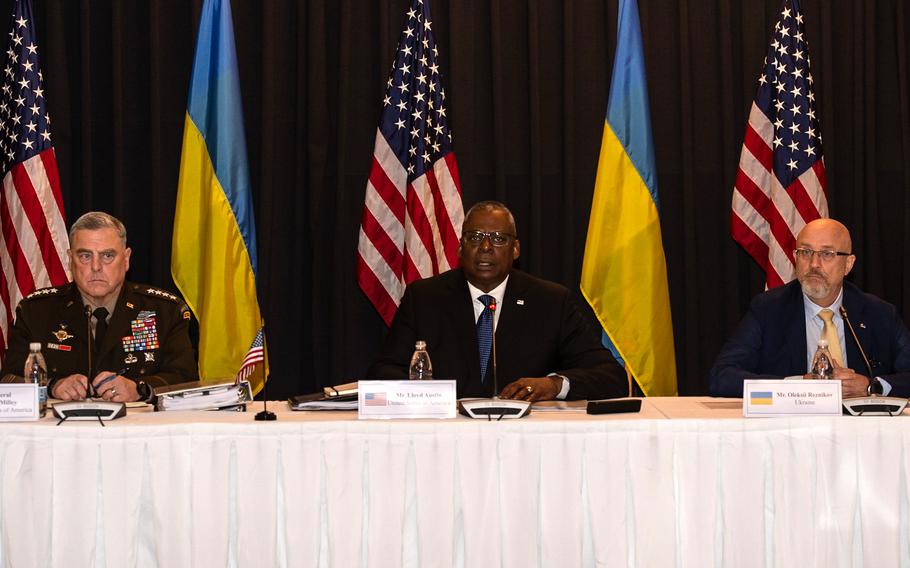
x=815 y=291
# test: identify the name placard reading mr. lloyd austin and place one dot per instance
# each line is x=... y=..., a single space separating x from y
x=406 y=399
x=791 y=398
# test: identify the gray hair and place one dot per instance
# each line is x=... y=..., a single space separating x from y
x=96 y=220
x=491 y=205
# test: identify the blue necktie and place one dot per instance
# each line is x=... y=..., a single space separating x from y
x=485 y=333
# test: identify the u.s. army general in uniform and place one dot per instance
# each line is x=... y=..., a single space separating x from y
x=139 y=334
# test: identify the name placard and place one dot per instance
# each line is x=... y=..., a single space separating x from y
x=405 y=399
x=18 y=401
x=791 y=398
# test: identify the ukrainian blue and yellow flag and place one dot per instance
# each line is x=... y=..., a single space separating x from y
x=762 y=397
x=213 y=256
x=624 y=276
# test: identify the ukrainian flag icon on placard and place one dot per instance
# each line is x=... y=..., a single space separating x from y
x=761 y=397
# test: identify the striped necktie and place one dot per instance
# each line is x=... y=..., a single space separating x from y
x=485 y=333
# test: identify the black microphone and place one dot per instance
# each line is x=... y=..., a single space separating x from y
x=843 y=313
x=91 y=347
x=493 y=349
x=493 y=406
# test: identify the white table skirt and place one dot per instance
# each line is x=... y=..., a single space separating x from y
x=680 y=484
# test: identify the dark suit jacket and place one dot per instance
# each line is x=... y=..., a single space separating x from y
x=770 y=342
x=49 y=315
x=540 y=331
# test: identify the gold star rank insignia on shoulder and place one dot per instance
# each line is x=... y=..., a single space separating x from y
x=161 y=294
x=42 y=292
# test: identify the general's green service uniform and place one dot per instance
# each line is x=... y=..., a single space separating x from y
x=147 y=339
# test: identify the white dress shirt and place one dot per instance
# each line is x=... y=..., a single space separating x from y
x=499 y=293
x=815 y=326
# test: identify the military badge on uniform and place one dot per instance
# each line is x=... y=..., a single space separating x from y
x=161 y=294
x=42 y=292
x=149 y=357
x=59 y=347
x=130 y=359
x=145 y=333
x=62 y=334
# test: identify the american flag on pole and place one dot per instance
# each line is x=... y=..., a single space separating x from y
x=33 y=236
x=412 y=212
x=780 y=185
x=254 y=356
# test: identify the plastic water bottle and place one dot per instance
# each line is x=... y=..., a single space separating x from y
x=36 y=372
x=421 y=368
x=822 y=362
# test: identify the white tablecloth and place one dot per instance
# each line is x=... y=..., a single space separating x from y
x=683 y=483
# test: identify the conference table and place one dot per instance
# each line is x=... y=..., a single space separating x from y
x=685 y=482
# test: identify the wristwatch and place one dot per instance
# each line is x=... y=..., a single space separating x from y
x=875 y=387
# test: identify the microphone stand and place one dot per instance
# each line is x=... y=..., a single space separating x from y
x=872 y=404
x=265 y=414
x=495 y=406
x=91 y=347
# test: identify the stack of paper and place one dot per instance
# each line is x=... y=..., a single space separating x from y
x=339 y=397
x=207 y=397
x=335 y=404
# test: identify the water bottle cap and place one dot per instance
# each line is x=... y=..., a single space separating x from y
x=420 y=345
x=823 y=343
x=34 y=347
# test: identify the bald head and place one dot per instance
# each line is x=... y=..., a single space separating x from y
x=832 y=232
x=820 y=278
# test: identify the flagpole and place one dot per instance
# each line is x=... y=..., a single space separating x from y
x=265 y=415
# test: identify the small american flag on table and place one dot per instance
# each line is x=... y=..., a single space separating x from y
x=253 y=356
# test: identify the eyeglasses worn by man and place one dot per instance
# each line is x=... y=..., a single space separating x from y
x=779 y=334
x=544 y=348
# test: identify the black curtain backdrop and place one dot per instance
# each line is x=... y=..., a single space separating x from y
x=527 y=86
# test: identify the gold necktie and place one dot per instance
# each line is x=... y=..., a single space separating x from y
x=829 y=333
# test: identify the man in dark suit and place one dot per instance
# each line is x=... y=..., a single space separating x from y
x=140 y=334
x=544 y=348
x=778 y=335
